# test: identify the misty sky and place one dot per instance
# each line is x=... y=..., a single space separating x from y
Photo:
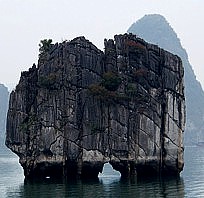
x=24 y=23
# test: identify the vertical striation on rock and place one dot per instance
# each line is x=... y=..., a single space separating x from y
x=81 y=107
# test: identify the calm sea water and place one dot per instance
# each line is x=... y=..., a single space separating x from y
x=190 y=184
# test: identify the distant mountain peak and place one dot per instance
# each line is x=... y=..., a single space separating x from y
x=156 y=22
x=154 y=27
x=156 y=17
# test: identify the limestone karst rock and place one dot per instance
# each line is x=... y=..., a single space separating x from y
x=80 y=108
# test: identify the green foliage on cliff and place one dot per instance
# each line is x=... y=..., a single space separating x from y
x=45 y=45
x=107 y=96
x=47 y=81
x=107 y=89
x=111 y=81
x=98 y=90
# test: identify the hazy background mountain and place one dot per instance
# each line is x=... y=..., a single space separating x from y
x=4 y=97
x=155 y=29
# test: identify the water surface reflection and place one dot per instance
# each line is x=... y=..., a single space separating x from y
x=110 y=187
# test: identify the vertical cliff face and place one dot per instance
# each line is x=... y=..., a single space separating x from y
x=81 y=107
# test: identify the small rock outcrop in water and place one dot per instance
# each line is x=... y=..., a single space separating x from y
x=81 y=107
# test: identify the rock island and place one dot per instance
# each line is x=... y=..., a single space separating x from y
x=81 y=107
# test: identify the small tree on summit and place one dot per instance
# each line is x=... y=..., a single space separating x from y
x=45 y=45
